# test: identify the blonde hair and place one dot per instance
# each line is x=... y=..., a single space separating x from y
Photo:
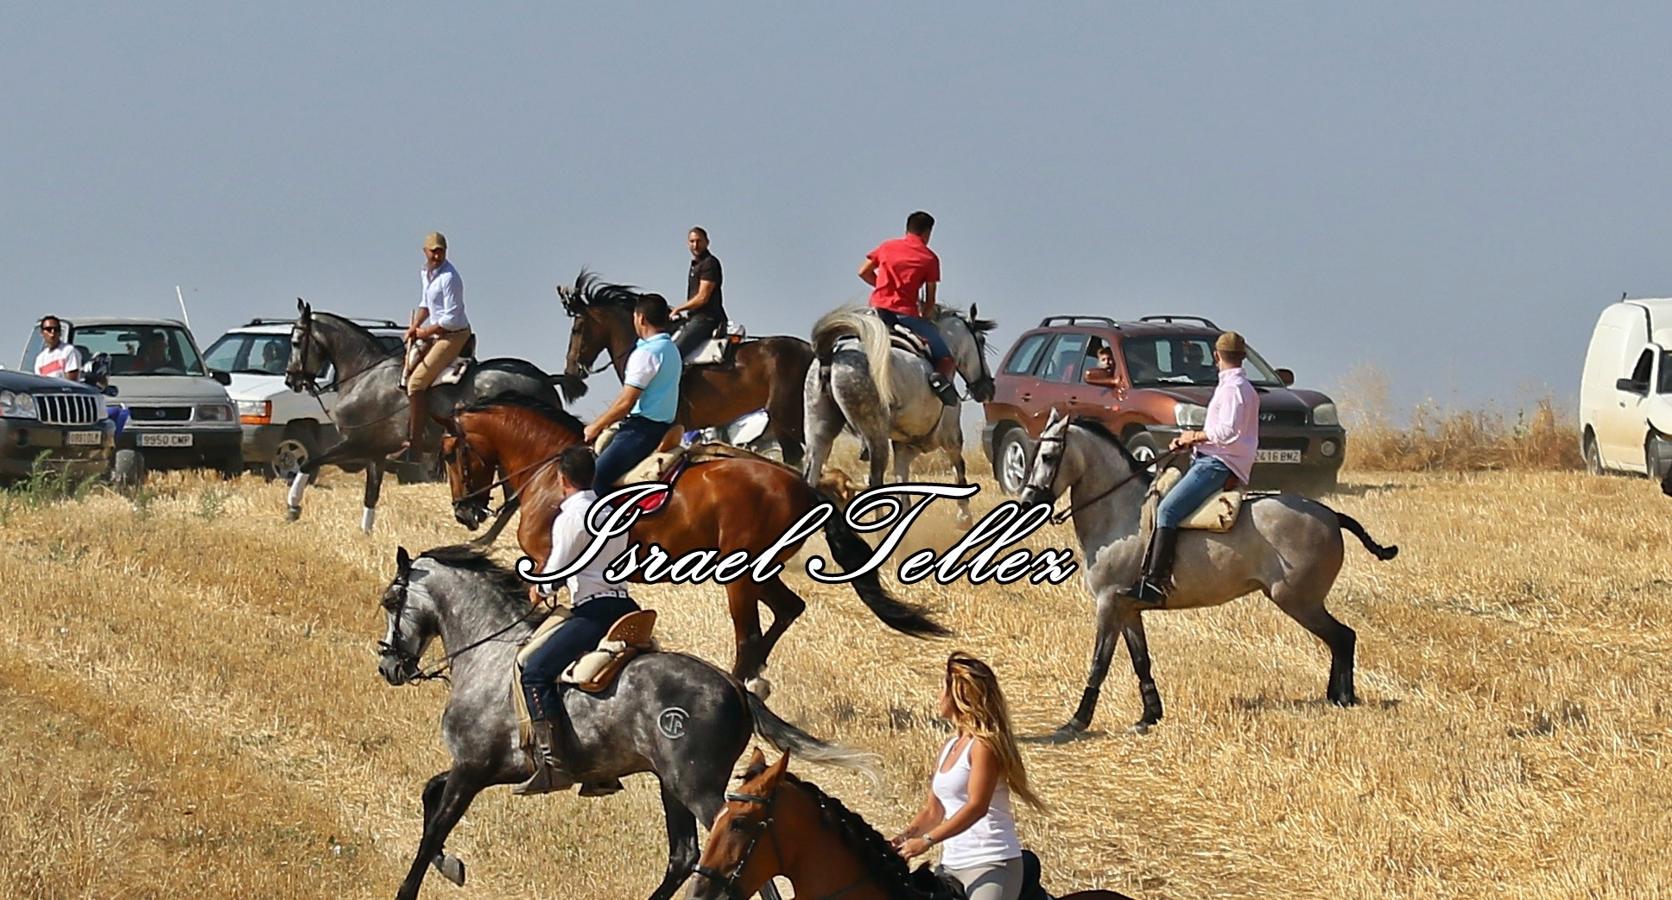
x=979 y=710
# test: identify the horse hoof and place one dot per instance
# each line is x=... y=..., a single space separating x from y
x=1141 y=726
x=759 y=686
x=1069 y=732
x=293 y=513
x=450 y=867
x=1346 y=701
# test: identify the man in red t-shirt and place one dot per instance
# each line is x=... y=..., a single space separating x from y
x=898 y=271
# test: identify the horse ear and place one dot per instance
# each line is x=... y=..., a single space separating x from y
x=778 y=769
x=757 y=765
x=1056 y=416
x=403 y=561
x=974 y=316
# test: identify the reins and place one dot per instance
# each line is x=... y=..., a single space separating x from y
x=1158 y=463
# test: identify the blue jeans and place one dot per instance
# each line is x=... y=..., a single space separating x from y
x=637 y=438
x=926 y=330
x=1207 y=476
x=572 y=640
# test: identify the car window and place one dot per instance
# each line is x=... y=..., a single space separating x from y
x=1665 y=386
x=1186 y=360
x=1645 y=366
x=228 y=352
x=1063 y=361
x=1025 y=355
x=142 y=349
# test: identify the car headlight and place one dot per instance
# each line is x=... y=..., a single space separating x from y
x=255 y=412
x=1189 y=415
x=1325 y=414
x=18 y=405
x=214 y=412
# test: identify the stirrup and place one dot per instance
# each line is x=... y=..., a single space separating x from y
x=548 y=777
x=944 y=389
x=1147 y=590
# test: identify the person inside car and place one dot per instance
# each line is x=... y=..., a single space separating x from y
x=1105 y=374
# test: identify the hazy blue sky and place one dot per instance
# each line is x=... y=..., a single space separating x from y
x=1449 y=194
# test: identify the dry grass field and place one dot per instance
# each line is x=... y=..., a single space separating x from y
x=189 y=708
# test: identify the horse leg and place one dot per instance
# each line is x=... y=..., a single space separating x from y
x=746 y=630
x=374 y=487
x=1102 y=652
x=960 y=473
x=787 y=422
x=339 y=452
x=683 y=849
x=824 y=423
x=1137 y=646
x=904 y=456
x=451 y=867
x=786 y=606
x=440 y=815
x=1309 y=611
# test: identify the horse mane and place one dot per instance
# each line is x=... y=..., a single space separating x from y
x=881 y=861
x=475 y=559
x=1096 y=427
x=979 y=326
x=557 y=416
x=592 y=291
x=355 y=328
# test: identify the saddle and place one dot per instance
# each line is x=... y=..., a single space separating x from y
x=630 y=636
x=903 y=338
x=719 y=349
x=667 y=465
x=1218 y=514
x=455 y=371
x=932 y=883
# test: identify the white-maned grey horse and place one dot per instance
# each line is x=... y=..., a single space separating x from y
x=1285 y=546
x=669 y=714
x=860 y=380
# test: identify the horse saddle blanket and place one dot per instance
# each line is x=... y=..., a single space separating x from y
x=1218 y=514
x=903 y=338
x=630 y=636
x=718 y=349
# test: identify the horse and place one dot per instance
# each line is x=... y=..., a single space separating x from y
x=777 y=824
x=763 y=373
x=720 y=506
x=669 y=714
x=883 y=393
x=1285 y=546
x=371 y=410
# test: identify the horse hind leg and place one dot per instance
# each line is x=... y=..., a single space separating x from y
x=1307 y=608
x=683 y=849
x=824 y=423
x=443 y=807
x=374 y=489
x=743 y=605
x=786 y=606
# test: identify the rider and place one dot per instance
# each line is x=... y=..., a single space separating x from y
x=897 y=271
x=702 y=310
x=649 y=391
x=58 y=358
x=596 y=604
x=1222 y=456
x=439 y=319
x=968 y=808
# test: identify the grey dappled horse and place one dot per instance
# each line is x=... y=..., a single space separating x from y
x=884 y=395
x=371 y=410
x=1287 y=547
x=670 y=714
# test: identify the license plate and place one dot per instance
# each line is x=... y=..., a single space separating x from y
x=85 y=438
x=1277 y=456
x=165 y=440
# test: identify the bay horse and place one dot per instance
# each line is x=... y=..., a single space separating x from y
x=763 y=373
x=480 y=612
x=371 y=411
x=1285 y=546
x=777 y=824
x=724 y=505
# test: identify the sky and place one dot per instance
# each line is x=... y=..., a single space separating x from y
x=1446 y=193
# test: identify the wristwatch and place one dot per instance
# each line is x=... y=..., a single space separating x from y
x=929 y=841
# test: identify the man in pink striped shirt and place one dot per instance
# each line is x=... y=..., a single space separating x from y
x=1222 y=458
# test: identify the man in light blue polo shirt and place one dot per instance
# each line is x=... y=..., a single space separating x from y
x=649 y=396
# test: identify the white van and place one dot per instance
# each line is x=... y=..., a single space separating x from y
x=1625 y=393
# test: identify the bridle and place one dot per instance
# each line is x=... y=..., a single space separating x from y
x=463 y=444
x=409 y=661
x=728 y=880
x=575 y=312
x=1057 y=518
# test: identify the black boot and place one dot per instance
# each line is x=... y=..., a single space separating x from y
x=1156 y=581
x=415 y=406
x=549 y=774
x=944 y=389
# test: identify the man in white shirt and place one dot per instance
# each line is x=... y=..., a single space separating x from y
x=439 y=320
x=596 y=604
x=59 y=358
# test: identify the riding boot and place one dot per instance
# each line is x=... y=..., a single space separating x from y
x=1156 y=581
x=944 y=389
x=549 y=774
x=415 y=406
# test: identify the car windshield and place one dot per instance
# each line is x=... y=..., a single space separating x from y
x=1665 y=386
x=141 y=349
x=252 y=354
x=1186 y=360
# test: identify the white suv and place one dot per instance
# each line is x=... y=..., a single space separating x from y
x=282 y=429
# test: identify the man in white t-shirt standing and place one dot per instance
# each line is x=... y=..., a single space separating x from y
x=59 y=358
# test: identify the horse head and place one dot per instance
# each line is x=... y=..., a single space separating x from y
x=470 y=470
x=967 y=337
x=731 y=865
x=1051 y=448
x=410 y=627
x=600 y=314
x=307 y=355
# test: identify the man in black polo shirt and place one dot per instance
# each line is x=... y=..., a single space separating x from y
x=702 y=309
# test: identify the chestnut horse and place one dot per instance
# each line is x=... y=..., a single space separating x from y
x=763 y=373
x=724 y=505
x=776 y=824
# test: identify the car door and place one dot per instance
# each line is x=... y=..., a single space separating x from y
x=1060 y=385
x=1623 y=424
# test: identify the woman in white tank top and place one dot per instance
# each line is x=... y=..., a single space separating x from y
x=968 y=808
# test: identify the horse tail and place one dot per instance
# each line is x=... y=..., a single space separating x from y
x=873 y=337
x=851 y=551
x=1352 y=526
x=790 y=739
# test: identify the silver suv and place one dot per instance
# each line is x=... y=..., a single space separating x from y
x=178 y=413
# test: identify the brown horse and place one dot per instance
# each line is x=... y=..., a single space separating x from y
x=724 y=505
x=763 y=373
x=776 y=824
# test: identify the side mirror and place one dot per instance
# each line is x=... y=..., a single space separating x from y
x=1631 y=387
x=110 y=390
x=1287 y=376
x=223 y=377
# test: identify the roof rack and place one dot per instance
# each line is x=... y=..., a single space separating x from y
x=1208 y=323
x=1049 y=321
x=373 y=323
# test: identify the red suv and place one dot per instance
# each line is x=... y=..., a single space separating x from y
x=1164 y=376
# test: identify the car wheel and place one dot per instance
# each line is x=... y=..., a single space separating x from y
x=1143 y=447
x=1593 y=458
x=127 y=470
x=1011 y=468
x=292 y=453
